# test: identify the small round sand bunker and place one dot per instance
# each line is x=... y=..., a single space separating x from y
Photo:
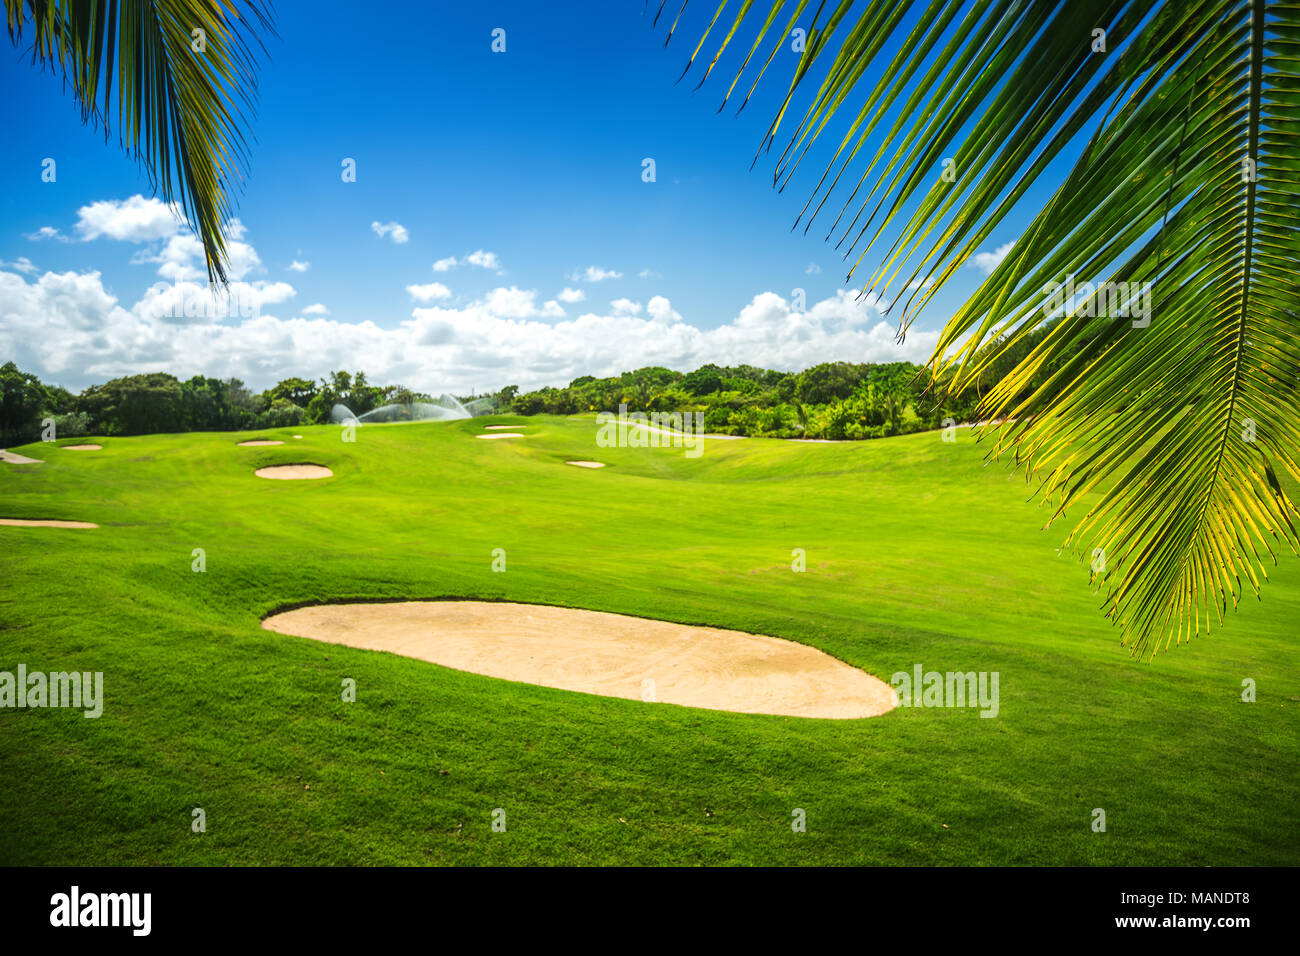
x=259 y=442
x=607 y=654
x=586 y=464
x=45 y=523
x=502 y=435
x=88 y=447
x=294 y=472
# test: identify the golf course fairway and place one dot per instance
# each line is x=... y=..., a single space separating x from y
x=900 y=555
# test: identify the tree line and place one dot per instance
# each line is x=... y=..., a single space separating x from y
x=834 y=400
x=160 y=402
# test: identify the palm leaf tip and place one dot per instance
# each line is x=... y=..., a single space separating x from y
x=177 y=76
x=1144 y=424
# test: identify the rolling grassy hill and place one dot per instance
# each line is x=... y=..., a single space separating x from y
x=917 y=552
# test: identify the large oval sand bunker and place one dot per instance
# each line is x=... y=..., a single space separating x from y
x=608 y=654
x=290 y=472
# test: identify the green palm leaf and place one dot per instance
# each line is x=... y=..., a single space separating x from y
x=1181 y=143
x=178 y=111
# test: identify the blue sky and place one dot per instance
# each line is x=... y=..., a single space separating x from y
x=532 y=157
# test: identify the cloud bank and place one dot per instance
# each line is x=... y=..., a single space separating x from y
x=71 y=330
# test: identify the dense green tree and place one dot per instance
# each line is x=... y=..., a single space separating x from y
x=204 y=404
x=22 y=400
x=703 y=381
x=829 y=381
x=283 y=413
x=135 y=404
x=299 y=391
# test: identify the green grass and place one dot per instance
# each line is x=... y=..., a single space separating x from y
x=916 y=552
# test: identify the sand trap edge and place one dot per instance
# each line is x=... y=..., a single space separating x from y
x=14 y=458
x=298 y=471
x=552 y=646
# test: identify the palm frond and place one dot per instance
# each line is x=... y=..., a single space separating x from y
x=179 y=111
x=1180 y=146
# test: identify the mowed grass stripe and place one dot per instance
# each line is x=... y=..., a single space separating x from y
x=916 y=552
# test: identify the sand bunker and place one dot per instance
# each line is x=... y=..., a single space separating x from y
x=45 y=523
x=291 y=472
x=82 y=447
x=608 y=654
x=258 y=442
x=586 y=464
x=14 y=459
x=297 y=436
x=498 y=427
x=502 y=435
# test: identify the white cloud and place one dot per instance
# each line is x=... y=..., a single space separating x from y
x=45 y=232
x=21 y=264
x=662 y=311
x=986 y=262
x=65 y=324
x=394 y=230
x=130 y=220
x=594 y=274
x=181 y=256
x=650 y=274
x=297 y=266
x=480 y=257
x=513 y=303
x=68 y=329
x=195 y=303
x=428 y=292
x=813 y=269
x=484 y=260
